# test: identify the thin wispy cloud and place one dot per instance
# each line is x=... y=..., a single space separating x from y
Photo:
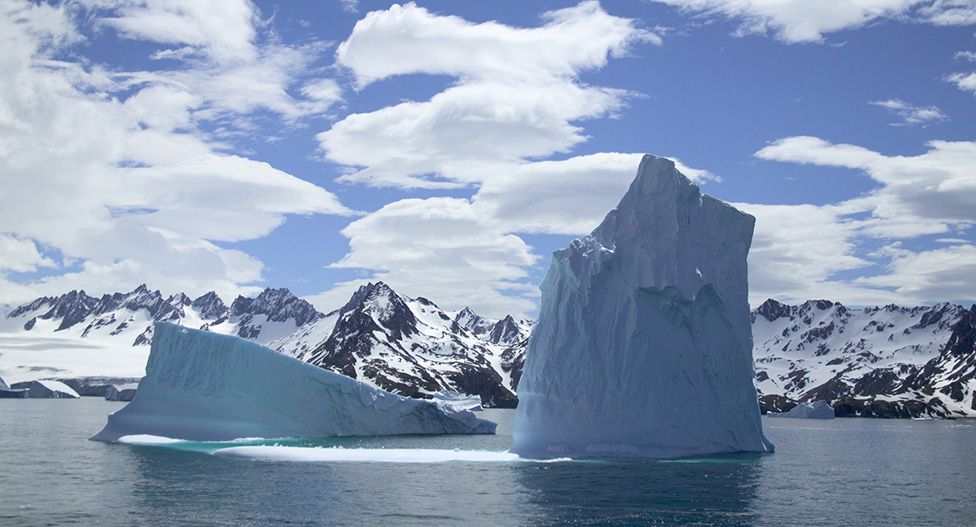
x=910 y=114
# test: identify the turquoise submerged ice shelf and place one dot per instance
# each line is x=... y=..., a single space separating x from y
x=210 y=387
x=643 y=346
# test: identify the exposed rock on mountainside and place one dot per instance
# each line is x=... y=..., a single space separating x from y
x=412 y=347
x=129 y=316
x=889 y=361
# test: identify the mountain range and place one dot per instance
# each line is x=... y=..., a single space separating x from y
x=889 y=361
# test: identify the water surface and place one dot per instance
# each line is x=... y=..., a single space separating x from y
x=840 y=472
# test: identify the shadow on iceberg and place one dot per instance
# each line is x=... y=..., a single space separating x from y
x=209 y=387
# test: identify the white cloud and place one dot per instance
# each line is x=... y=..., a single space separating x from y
x=507 y=105
x=440 y=248
x=966 y=55
x=569 y=196
x=119 y=180
x=949 y=12
x=222 y=30
x=349 y=6
x=945 y=273
x=225 y=55
x=795 y=21
x=797 y=250
x=20 y=256
x=930 y=193
x=410 y=39
x=517 y=98
x=800 y=248
x=964 y=81
x=909 y=114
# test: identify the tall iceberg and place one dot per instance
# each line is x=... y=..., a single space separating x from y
x=643 y=346
x=205 y=386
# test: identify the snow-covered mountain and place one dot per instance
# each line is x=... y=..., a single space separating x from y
x=128 y=317
x=886 y=361
x=412 y=347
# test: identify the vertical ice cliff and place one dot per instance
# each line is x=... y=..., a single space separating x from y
x=643 y=345
x=205 y=386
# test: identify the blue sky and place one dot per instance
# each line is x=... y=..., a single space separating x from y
x=449 y=147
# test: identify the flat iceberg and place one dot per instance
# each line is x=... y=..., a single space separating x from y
x=51 y=390
x=643 y=346
x=811 y=410
x=210 y=387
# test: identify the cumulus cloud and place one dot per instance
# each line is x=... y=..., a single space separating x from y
x=796 y=21
x=930 y=193
x=799 y=249
x=507 y=109
x=568 y=196
x=440 y=248
x=410 y=39
x=223 y=31
x=911 y=115
x=21 y=256
x=944 y=273
x=117 y=178
x=964 y=81
x=506 y=106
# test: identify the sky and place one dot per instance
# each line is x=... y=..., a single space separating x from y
x=447 y=148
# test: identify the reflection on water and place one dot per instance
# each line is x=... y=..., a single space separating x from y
x=842 y=472
x=714 y=491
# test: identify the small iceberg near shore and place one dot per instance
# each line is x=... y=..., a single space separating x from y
x=6 y=392
x=458 y=401
x=209 y=387
x=811 y=410
x=47 y=389
x=123 y=392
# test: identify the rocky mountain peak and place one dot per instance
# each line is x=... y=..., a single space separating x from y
x=278 y=305
x=210 y=306
x=473 y=323
x=962 y=341
x=505 y=331
x=382 y=304
x=772 y=310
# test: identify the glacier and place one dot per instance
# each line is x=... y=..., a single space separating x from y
x=210 y=387
x=643 y=347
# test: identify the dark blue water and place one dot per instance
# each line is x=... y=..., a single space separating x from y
x=841 y=472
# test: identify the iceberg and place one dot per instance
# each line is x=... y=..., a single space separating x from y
x=6 y=392
x=123 y=392
x=811 y=410
x=458 y=401
x=51 y=390
x=210 y=387
x=643 y=347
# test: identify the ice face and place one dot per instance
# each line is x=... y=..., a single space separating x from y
x=205 y=386
x=643 y=345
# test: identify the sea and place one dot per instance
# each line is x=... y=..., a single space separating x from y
x=847 y=472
